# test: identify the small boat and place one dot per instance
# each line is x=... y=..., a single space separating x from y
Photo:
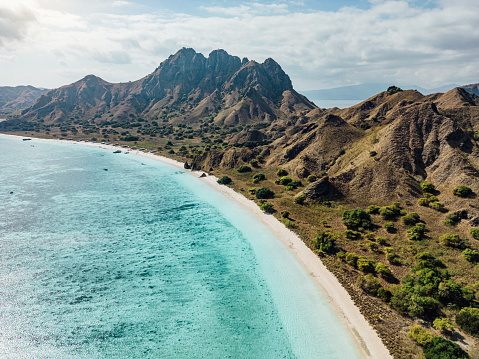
x=27 y=139
x=153 y=151
x=141 y=149
x=117 y=151
x=105 y=169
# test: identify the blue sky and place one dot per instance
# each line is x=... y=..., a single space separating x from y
x=320 y=44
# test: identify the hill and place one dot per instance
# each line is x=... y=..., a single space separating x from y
x=14 y=98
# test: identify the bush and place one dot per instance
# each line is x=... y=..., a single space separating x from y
x=453 y=240
x=411 y=219
x=285 y=214
x=443 y=325
x=381 y=240
x=373 y=209
x=243 y=169
x=290 y=224
x=393 y=89
x=428 y=187
x=356 y=219
x=389 y=226
x=257 y=177
x=392 y=258
x=390 y=212
x=254 y=163
x=350 y=234
x=284 y=181
x=369 y=283
x=267 y=208
x=352 y=259
x=468 y=319
x=384 y=294
x=416 y=233
x=281 y=172
x=420 y=335
x=462 y=191
x=296 y=184
x=383 y=270
x=440 y=348
x=224 y=180
x=470 y=255
x=311 y=178
x=324 y=241
x=452 y=219
x=373 y=246
x=264 y=193
x=474 y=232
x=366 y=265
x=300 y=199
x=423 y=202
x=438 y=206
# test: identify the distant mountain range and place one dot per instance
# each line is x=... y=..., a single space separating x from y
x=364 y=91
x=14 y=98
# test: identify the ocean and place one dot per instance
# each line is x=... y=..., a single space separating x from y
x=109 y=255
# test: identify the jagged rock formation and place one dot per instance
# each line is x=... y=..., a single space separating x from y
x=14 y=98
x=185 y=88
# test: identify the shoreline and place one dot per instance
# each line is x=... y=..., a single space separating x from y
x=365 y=336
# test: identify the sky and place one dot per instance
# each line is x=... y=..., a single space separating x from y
x=319 y=44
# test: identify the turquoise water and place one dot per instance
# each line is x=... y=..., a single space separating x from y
x=144 y=261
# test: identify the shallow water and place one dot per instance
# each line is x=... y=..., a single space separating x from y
x=143 y=260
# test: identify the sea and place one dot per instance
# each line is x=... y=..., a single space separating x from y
x=106 y=255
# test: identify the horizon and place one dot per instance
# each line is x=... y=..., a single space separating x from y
x=52 y=43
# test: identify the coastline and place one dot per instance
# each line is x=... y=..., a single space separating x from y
x=366 y=337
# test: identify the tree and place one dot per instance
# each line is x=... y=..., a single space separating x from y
x=411 y=219
x=470 y=255
x=243 y=169
x=285 y=180
x=356 y=219
x=468 y=319
x=267 y=208
x=428 y=187
x=365 y=264
x=264 y=193
x=462 y=191
x=224 y=180
x=281 y=172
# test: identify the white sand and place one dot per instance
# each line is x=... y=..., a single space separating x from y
x=367 y=338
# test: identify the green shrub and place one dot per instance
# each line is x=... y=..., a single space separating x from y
x=423 y=202
x=296 y=184
x=311 y=178
x=373 y=246
x=373 y=209
x=290 y=188
x=369 y=283
x=356 y=219
x=390 y=212
x=411 y=219
x=393 y=89
x=281 y=172
x=389 y=226
x=468 y=319
x=252 y=191
x=300 y=199
x=452 y=219
x=453 y=240
x=384 y=294
x=470 y=255
x=438 y=206
x=474 y=232
x=416 y=233
x=462 y=191
x=441 y=348
x=365 y=265
x=443 y=325
x=324 y=241
x=350 y=234
x=352 y=259
x=381 y=240
x=264 y=193
x=392 y=258
x=289 y=223
x=383 y=270
x=420 y=335
x=284 y=181
x=254 y=163
x=243 y=169
x=428 y=187
x=257 y=177
x=267 y=208
x=224 y=180
x=285 y=214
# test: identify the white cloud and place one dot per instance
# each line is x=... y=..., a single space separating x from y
x=120 y=3
x=392 y=41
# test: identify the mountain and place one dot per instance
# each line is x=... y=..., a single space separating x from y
x=363 y=91
x=474 y=88
x=14 y=98
x=185 y=88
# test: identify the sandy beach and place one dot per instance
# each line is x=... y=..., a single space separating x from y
x=367 y=338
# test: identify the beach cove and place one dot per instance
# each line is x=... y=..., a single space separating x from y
x=295 y=311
